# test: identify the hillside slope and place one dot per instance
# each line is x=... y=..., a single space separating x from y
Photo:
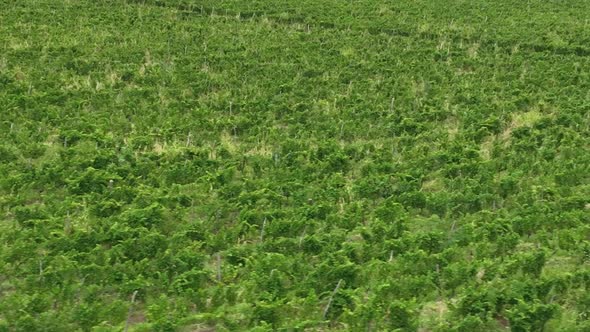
x=260 y=165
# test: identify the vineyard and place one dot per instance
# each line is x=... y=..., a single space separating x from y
x=276 y=165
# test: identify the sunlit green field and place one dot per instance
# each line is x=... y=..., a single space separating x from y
x=278 y=165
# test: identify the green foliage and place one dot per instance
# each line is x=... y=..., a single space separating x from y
x=187 y=165
x=530 y=316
